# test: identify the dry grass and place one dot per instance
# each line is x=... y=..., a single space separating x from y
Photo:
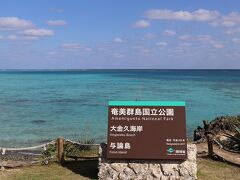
x=215 y=170
x=71 y=170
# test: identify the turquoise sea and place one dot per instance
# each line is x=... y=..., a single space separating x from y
x=37 y=106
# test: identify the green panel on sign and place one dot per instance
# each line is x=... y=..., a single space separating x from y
x=146 y=103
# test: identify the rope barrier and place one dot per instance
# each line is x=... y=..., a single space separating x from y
x=3 y=149
x=44 y=146
x=81 y=144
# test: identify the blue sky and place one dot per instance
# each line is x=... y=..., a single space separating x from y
x=82 y=34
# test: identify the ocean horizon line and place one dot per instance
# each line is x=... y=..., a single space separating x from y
x=112 y=69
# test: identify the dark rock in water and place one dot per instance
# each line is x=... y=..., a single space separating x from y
x=38 y=121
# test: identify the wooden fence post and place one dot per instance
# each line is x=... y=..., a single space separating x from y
x=210 y=145
x=60 y=149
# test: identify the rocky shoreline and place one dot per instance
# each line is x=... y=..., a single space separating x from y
x=225 y=139
x=225 y=130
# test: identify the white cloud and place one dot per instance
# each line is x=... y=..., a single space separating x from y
x=212 y=16
x=88 y=49
x=214 y=23
x=233 y=31
x=204 y=38
x=24 y=29
x=138 y=47
x=11 y=23
x=146 y=50
x=216 y=44
x=72 y=46
x=184 y=37
x=210 y=40
x=166 y=14
x=76 y=47
x=236 y=40
x=185 y=44
x=38 y=32
x=229 y=20
x=30 y=37
x=169 y=33
x=150 y=36
x=161 y=44
x=141 y=24
x=102 y=49
x=14 y=37
x=118 y=55
x=56 y=22
x=118 y=40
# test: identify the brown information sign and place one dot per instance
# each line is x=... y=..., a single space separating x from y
x=146 y=130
